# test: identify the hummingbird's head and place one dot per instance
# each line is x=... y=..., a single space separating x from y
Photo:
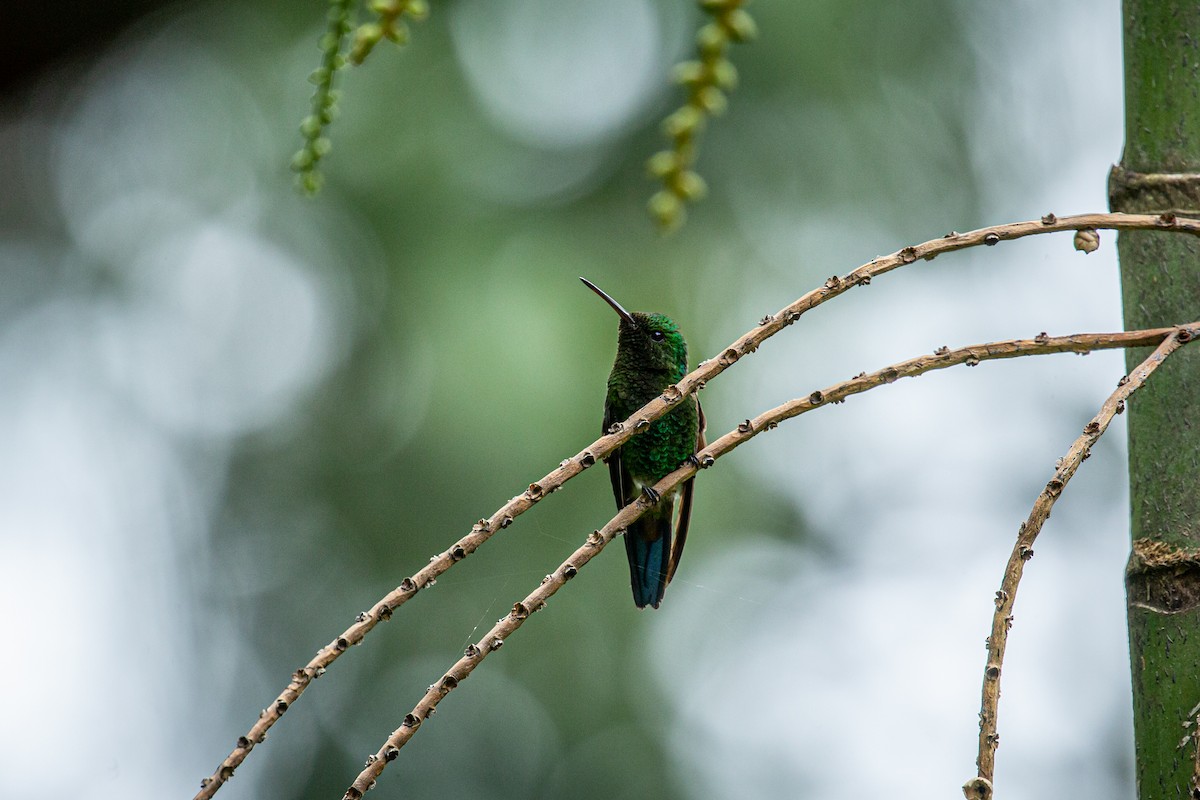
x=647 y=342
x=652 y=343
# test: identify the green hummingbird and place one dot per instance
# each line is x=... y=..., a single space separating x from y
x=651 y=355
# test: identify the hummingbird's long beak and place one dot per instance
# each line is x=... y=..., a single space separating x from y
x=625 y=315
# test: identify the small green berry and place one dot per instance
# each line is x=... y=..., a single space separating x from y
x=712 y=100
x=310 y=126
x=417 y=9
x=667 y=210
x=683 y=122
x=397 y=32
x=741 y=25
x=302 y=160
x=310 y=182
x=724 y=74
x=688 y=72
x=663 y=163
x=691 y=186
x=712 y=39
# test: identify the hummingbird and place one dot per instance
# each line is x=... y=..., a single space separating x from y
x=651 y=355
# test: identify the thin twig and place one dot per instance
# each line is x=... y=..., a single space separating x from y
x=596 y=541
x=639 y=421
x=980 y=787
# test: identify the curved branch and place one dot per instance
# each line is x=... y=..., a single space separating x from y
x=768 y=420
x=605 y=445
x=980 y=787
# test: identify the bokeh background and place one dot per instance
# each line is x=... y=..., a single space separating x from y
x=232 y=417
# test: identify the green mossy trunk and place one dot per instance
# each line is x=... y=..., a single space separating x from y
x=1160 y=277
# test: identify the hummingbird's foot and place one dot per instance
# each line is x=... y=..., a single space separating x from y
x=652 y=497
x=693 y=460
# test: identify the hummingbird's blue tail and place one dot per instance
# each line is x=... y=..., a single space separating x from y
x=648 y=546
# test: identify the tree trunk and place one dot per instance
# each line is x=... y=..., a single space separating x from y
x=1160 y=276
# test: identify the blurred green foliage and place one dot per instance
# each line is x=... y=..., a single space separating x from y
x=483 y=365
x=469 y=362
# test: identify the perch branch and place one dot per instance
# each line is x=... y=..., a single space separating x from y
x=605 y=445
x=980 y=787
x=596 y=541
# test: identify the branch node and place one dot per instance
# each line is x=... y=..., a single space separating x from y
x=1087 y=240
x=1049 y=219
x=977 y=789
x=991 y=239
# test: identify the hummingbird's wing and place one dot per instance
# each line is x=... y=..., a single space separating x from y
x=685 y=502
x=622 y=481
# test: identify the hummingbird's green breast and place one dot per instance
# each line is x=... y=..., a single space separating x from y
x=645 y=366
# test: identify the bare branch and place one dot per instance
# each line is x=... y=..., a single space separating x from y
x=597 y=540
x=605 y=445
x=980 y=787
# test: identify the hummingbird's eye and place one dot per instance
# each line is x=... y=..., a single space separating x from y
x=657 y=336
